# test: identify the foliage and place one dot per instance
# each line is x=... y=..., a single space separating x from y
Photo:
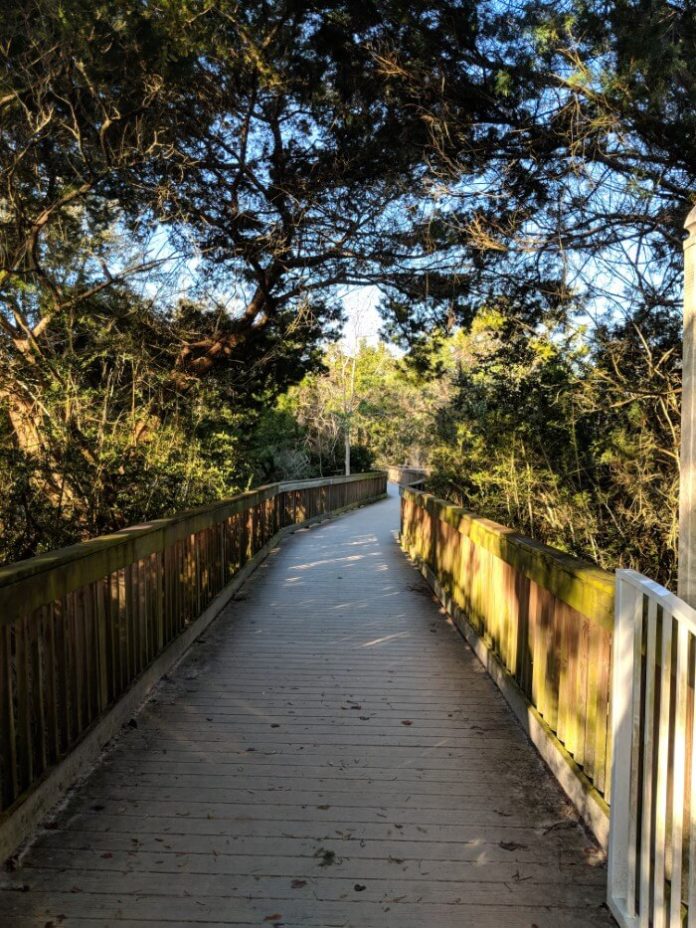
x=573 y=445
x=185 y=186
x=387 y=407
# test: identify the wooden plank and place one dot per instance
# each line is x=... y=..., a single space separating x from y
x=102 y=642
x=52 y=650
x=65 y=679
x=8 y=735
x=25 y=762
x=649 y=753
x=580 y=705
x=36 y=627
x=678 y=776
x=691 y=832
x=602 y=778
x=159 y=596
x=635 y=607
x=662 y=779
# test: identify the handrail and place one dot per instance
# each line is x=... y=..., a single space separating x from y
x=542 y=621
x=652 y=864
x=579 y=583
x=405 y=475
x=79 y=625
x=95 y=557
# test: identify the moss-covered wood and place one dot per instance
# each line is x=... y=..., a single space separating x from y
x=580 y=584
x=546 y=616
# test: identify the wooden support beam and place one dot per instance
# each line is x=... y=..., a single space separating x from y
x=687 y=488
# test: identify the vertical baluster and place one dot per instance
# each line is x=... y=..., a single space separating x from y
x=691 y=877
x=180 y=584
x=198 y=541
x=8 y=735
x=65 y=679
x=159 y=592
x=51 y=650
x=524 y=645
x=602 y=778
x=579 y=707
x=142 y=614
x=36 y=625
x=661 y=786
x=203 y=554
x=678 y=774
x=592 y=695
x=114 y=625
x=25 y=765
x=91 y=665
x=153 y=610
x=562 y=659
x=634 y=606
x=131 y=604
x=124 y=626
x=221 y=556
x=81 y=661
x=167 y=590
x=648 y=760
x=102 y=636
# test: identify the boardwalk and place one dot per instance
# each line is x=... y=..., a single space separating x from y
x=331 y=754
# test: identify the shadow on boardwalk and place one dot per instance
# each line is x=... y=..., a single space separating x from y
x=330 y=754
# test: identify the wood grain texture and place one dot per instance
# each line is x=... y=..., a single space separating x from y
x=330 y=753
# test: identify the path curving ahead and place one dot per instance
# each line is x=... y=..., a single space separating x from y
x=331 y=753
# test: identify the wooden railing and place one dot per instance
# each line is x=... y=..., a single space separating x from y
x=542 y=621
x=78 y=626
x=405 y=475
x=652 y=855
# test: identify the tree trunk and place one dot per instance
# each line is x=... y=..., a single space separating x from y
x=347 y=445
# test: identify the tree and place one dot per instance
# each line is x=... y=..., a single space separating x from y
x=202 y=174
x=570 y=443
x=371 y=404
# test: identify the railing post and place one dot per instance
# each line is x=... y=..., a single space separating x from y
x=625 y=647
x=687 y=482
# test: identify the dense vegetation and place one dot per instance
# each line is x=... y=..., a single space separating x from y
x=186 y=186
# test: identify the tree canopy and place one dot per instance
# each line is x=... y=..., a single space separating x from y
x=186 y=188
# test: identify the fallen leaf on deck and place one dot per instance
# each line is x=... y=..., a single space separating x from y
x=327 y=857
x=512 y=846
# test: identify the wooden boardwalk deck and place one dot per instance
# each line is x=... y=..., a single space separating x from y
x=331 y=754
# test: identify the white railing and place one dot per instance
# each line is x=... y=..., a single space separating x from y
x=652 y=848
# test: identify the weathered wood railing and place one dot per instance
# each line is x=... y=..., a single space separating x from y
x=78 y=626
x=405 y=475
x=541 y=621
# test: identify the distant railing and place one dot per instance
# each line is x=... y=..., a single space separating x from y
x=79 y=625
x=652 y=855
x=542 y=621
x=405 y=475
